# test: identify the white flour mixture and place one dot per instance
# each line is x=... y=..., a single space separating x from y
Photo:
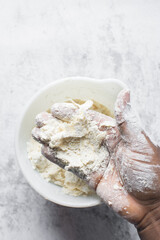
x=70 y=183
x=77 y=141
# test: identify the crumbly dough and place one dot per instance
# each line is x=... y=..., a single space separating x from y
x=77 y=142
x=69 y=182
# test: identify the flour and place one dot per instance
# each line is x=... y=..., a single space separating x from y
x=76 y=138
x=69 y=182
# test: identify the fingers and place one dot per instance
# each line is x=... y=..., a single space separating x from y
x=37 y=135
x=50 y=154
x=126 y=118
x=112 y=138
x=107 y=124
x=42 y=118
x=103 y=121
x=63 y=111
x=91 y=176
x=121 y=106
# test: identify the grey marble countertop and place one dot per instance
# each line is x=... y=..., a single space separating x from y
x=41 y=41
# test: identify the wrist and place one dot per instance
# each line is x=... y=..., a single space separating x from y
x=149 y=226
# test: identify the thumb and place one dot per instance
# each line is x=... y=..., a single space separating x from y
x=127 y=120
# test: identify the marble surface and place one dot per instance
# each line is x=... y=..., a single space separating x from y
x=41 y=41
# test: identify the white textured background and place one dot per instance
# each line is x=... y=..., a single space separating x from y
x=43 y=40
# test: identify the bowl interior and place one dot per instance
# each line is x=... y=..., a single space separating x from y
x=103 y=91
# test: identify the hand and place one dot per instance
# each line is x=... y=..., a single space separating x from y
x=131 y=179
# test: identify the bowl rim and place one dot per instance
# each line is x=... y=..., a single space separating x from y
x=21 y=118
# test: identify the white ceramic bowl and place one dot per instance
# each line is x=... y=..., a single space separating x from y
x=103 y=91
